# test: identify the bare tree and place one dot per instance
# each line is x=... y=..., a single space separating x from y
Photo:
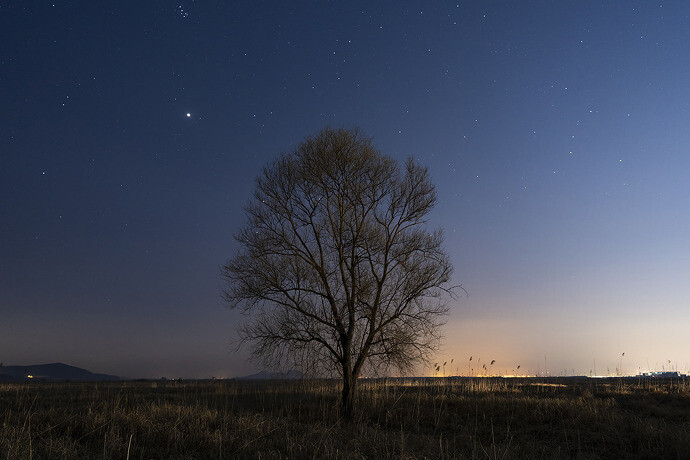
x=336 y=266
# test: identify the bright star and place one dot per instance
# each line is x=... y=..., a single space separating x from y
x=189 y=114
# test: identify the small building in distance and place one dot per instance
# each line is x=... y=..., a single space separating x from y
x=663 y=374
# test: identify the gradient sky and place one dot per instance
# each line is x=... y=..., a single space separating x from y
x=557 y=134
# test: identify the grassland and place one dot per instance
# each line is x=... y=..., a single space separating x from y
x=441 y=418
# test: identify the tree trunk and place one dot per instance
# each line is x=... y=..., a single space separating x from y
x=348 y=395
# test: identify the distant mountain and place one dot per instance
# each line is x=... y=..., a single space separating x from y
x=266 y=375
x=53 y=372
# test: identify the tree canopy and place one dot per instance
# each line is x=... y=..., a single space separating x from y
x=337 y=269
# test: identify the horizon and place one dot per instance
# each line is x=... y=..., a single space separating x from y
x=555 y=135
x=488 y=373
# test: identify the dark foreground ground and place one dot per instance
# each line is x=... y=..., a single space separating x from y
x=463 y=418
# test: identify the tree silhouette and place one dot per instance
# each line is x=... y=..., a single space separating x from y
x=336 y=270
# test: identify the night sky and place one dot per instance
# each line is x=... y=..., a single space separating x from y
x=557 y=134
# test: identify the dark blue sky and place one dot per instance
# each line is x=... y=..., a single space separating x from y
x=556 y=133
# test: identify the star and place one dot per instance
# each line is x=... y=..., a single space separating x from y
x=189 y=114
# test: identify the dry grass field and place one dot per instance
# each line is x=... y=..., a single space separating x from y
x=435 y=418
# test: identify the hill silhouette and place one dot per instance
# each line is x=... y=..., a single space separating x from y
x=51 y=372
x=266 y=375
